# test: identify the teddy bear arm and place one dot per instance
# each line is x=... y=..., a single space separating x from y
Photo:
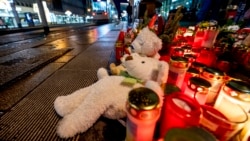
x=64 y=105
x=163 y=68
x=116 y=69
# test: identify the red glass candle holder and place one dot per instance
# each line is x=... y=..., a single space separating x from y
x=179 y=111
x=198 y=38
x=210 y=35
x=187 y=49
x=119 y=50
x=207 y=56
x=178 y=52
x=191 y=58
x=223 y=65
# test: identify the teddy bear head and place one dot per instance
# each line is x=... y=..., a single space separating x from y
x=145 y=68
x=147 y=43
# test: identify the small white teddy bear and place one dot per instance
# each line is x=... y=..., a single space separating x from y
x=107 y=97
x=147 y=43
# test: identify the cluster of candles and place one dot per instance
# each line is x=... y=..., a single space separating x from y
x=208 y=98
x=223 y=101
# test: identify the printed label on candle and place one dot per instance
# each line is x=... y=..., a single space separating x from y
x=207 y=123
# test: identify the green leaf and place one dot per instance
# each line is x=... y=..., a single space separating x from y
x=170 y=88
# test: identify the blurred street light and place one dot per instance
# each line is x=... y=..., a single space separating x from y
x=68 y=13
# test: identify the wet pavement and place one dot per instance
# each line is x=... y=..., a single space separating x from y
x=26 y=106
x=22 y=53
x=21 y=63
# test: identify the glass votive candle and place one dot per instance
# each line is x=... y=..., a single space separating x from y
x=179 y=111
x=210 y=35
x=191 y=58
x=177 y=70
x=178 y=52
x=236 y=92
x=143 y=111
x=216 y=79
x=198 y=38
x=119 y=50
x=223 y=65
x=187 y=49
x=197 y=88
x=234 y=102
x=207 y=56
x=219 y=49
x=191 y=72
x=218 y=124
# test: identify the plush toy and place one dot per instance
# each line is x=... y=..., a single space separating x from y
x=147 y=43
x=107 y=97
x=135 y=64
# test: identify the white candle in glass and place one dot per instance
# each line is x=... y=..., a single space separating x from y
x=233 y=102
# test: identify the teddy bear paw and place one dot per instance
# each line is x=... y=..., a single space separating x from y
x=66 y=128
x=62 y=106
x=113 y=69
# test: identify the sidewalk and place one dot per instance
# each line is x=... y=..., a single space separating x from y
x=34 y=118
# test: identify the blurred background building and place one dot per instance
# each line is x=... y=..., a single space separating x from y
x=80 y=11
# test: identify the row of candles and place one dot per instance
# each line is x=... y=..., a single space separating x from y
x=224 y=101
x=208 y=98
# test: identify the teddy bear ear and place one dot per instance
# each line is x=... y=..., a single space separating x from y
x=163 y=68
x=123 y=58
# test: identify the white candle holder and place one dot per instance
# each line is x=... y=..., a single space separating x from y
x=234 y=102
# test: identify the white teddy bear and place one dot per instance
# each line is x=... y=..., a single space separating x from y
x=107 y=97
x=147 y=43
